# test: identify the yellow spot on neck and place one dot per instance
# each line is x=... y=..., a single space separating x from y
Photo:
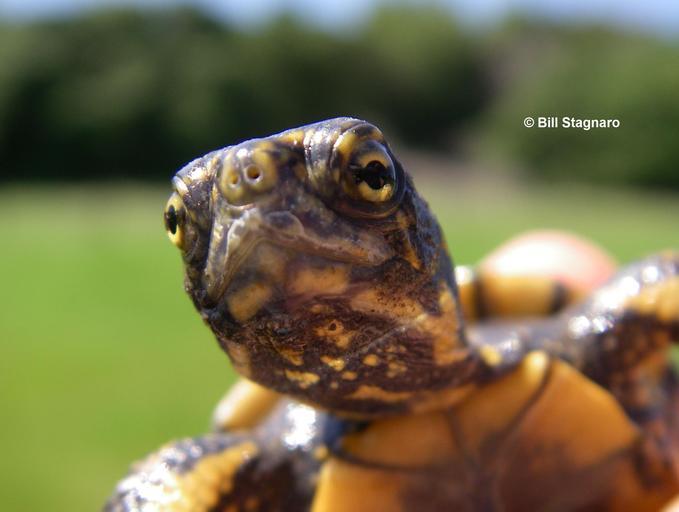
x=443 y=330
x=365 y=392
x=349 y=375
x=303 y=379
x=396 y=368
x=371 y=360
x=335 y=363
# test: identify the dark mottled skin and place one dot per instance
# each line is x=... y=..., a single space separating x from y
x=324 y=276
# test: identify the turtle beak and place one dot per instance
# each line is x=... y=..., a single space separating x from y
x=232 y=241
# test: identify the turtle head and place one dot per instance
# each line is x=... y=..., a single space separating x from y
x=319 y=268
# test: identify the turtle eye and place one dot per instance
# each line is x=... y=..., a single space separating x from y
x=173 y=217
x=371 y=175
x=171 y=220
x=374 y=182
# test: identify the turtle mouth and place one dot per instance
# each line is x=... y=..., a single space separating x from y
x=232 y=243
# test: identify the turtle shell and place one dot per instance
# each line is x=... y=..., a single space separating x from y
x=543 y=437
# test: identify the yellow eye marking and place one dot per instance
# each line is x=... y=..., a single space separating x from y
x=371 y=360
x=245 y=303
x=375 y=195
x=303 y=379
x=365 y=392
x=336 y=364
x=174 y=216
x=349 y=375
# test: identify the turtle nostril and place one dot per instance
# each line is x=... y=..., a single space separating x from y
x=253 y=173
x=233 y=178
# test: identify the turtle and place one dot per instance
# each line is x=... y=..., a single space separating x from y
x=377 y=376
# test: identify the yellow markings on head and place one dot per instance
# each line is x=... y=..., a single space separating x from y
x=409 y=252
x=317 y=309
x=330 y=280
x=213 y=476
x=490 y=355
x=371 y=360
x=335 y=333
x=292 y=137
x=366 y=392
x=303 y=379
x=396 y=368
x=336 y=363
x=443 y=330
x=293 y=356
x=660 y=299
x=245 y=303
x=270 y=261
x=334 y=385
x=346 y=144
x=398 y=307
x=349 y=375
x=240 y=356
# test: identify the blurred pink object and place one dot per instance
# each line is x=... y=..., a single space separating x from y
x=577 y=262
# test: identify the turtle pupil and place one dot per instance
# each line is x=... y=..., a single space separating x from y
x=374 y=174
x=171 y=220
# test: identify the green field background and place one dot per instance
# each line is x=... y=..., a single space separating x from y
x=102 y=357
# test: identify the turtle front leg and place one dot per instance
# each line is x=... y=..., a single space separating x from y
x=273 y=467
x=211 y=472
x=619 y=337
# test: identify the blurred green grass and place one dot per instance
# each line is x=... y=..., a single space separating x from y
x=102 y=357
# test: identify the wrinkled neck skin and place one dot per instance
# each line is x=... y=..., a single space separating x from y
x=358 y=316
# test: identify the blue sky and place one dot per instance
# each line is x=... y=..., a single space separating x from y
x=660 y=16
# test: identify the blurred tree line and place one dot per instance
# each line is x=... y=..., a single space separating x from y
x=135 y=94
